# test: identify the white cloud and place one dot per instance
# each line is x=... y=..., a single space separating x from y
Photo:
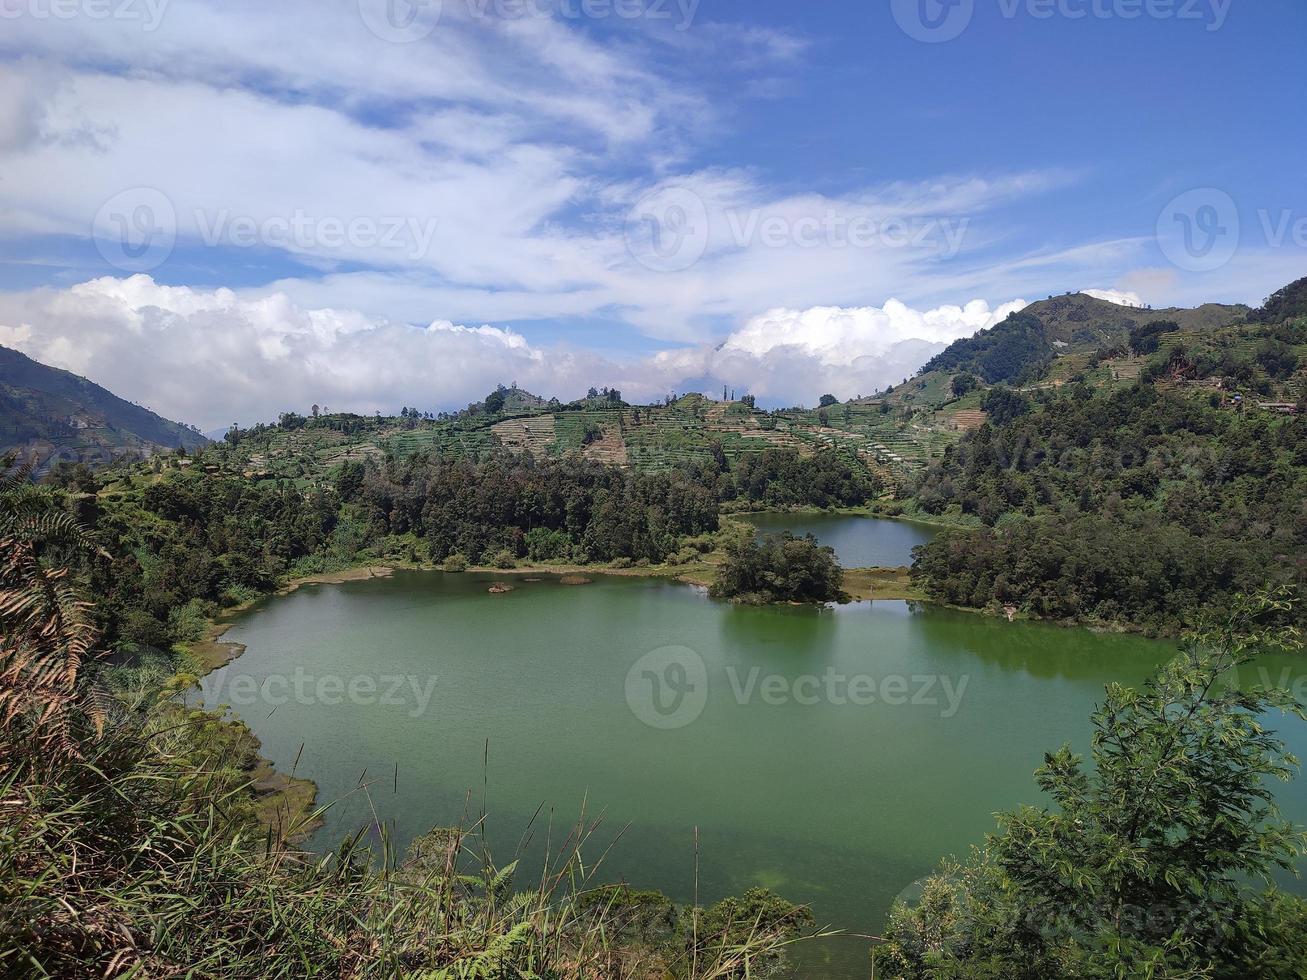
x=517 y=146
x=1115 y=296
x=210 y=357
x=833 y=335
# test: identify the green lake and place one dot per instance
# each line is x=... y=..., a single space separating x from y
x=833 y=755
x=859 y=542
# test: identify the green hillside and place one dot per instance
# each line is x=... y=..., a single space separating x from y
x=56 y=416
x=1024 y=345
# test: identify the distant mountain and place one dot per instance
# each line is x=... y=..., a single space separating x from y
x=1027 y=341
x=56 y=415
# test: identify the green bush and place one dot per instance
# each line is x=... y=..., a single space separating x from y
x=501 y=559
x=187 y=623
x=779 y=568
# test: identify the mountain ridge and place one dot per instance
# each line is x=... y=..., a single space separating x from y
x=55 y=416
x=1030 y=339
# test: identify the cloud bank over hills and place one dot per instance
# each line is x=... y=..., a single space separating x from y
x=212 y=357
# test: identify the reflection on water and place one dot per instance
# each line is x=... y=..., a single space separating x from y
x=836 y=754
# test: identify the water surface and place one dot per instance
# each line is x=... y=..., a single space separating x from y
x=793 y=781
x=859 y=542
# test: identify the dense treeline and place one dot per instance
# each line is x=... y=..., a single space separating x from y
x=180 y=544
x=1283 y=304
x=1135 y=570
x=578 y=509
x=183 y=544
x=780 y=478
x=571 y=508
x=1132 y=505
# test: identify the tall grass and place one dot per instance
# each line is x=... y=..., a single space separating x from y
x=134 y=860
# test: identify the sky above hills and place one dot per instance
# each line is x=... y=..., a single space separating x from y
x=228 y=209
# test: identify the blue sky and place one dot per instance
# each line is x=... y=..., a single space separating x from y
x=783 y=196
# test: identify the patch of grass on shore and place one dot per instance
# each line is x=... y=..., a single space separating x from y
x=881 y=583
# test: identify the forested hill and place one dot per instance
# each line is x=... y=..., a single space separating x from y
x=1024 y=344
x=55 y=415
x=1135 y=485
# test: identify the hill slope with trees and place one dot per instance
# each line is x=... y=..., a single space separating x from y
x=59 y=416
x=1131 y=501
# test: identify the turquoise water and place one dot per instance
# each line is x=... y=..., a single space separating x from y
x=833 y=755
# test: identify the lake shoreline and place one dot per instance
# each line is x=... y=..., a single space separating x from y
x=291 y=798
x=283 y=800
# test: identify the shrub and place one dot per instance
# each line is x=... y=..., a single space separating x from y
x=187 y=623
x=502 y=559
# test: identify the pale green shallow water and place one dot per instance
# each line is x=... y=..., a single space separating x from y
x=840 y=805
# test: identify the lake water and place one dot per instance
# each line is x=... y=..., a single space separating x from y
x=859 y=542
x=834 y=755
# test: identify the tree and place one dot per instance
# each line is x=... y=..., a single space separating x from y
x=779 y=568
x=1146 y=862
x=827 y=401
x=963 y=383
x=1146 y=339
x=1003 y=405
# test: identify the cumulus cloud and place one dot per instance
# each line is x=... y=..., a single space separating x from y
x=1116 y=296
x=211 y=357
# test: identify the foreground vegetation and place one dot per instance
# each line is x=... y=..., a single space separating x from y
x=1157 y=860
